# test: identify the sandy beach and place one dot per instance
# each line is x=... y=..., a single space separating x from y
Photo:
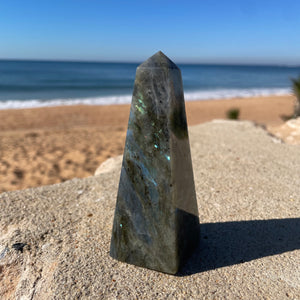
x=42 y=146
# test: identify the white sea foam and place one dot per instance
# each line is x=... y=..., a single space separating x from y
x=125 y=99
x=15 y=104
x=235 y=93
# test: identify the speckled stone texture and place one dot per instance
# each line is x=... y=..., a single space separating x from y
x=156 y=222
x=248 y=192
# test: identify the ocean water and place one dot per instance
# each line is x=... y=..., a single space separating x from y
x=48 y=83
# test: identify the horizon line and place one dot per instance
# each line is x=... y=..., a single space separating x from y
x=291 y=65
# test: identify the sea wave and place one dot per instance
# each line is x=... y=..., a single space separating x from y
x=126 y=99
x=235 y=93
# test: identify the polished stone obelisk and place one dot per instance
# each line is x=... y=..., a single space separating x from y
x=156 y=222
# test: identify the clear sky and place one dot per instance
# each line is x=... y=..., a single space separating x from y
x=209 y=31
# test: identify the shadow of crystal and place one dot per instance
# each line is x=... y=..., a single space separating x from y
x=230 y=243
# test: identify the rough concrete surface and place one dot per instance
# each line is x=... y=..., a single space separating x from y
x=54 y=240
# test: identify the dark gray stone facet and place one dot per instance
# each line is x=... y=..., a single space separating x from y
x=156 y=222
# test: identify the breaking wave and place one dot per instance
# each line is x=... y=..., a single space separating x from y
x=126 y=99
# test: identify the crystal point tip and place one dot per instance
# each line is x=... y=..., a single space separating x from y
x=158 y=60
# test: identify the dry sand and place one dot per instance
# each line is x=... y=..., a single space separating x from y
x=54 y=241
x=49 y=145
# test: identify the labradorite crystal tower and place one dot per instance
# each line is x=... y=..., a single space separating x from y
x=156 y=222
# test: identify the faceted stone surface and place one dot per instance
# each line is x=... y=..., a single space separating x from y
x=156 y=222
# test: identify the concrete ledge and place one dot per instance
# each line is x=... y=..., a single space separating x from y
x=54 y=240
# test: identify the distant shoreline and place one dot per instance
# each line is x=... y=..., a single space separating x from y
x=223 y=94
x=266 y=110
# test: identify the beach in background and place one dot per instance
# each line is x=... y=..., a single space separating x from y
x=60 y=120
x=48 y=145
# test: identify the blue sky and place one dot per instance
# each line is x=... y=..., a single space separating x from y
x=209 y=31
